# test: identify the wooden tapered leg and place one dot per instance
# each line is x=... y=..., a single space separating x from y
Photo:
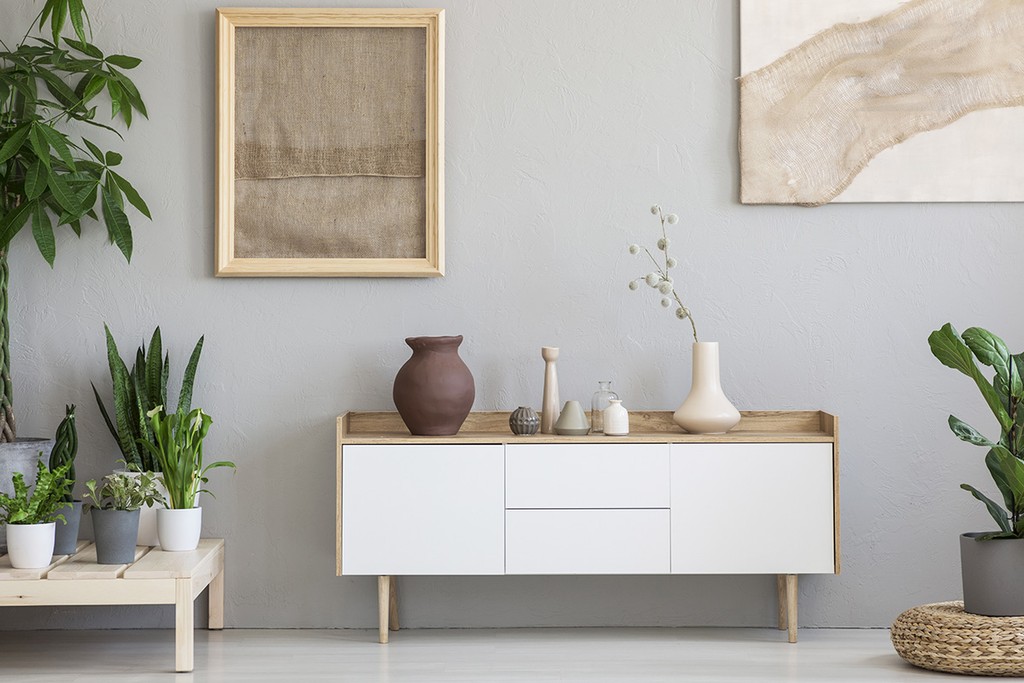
x=215 y=621
x=780 y=587
x=393 y=605
x=791 y=595
x=183 y=625
x=383 y=606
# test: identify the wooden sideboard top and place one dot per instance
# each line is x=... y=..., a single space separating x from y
x=756 y=426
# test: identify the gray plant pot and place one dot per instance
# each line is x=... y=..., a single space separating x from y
x=67 y=531
x=20 y=456
x=993 y=575
x=115 y=531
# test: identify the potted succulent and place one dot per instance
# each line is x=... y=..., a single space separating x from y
x=992 y=562
x=65 y=448
x=136 y=392
x=30 y=516
x=178 y=448
x=51 y=175
x=114 y=507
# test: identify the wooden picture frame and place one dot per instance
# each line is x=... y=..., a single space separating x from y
x=253 y=241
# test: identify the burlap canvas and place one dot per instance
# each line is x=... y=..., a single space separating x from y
x=353 y=217
x=330 y=143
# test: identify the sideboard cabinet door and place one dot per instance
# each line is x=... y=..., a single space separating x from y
x=423 y=509
x=764 y=508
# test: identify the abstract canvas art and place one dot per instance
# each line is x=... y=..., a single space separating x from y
x=881 y=101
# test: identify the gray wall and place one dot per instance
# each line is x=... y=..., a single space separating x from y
x=566 y=120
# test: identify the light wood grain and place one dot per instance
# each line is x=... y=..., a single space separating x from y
x=791 y=606
x=780 y=589
x=393 y=604
x=432 y=264
x=184 y=615
x=215 y=610
x=87 y=592
x=9 y=573
x=383 y=607
x=167 y=565
x=830 y=425
x=83 y=565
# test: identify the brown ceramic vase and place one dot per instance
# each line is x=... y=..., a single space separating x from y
x=434 y=390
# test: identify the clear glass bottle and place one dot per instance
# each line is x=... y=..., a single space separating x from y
x=602 y=399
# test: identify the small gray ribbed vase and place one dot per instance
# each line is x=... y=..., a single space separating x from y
x=524 y=421
x=116 y=532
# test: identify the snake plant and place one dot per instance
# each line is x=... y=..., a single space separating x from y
x=65 y=448
x=1004 y=395
x=139 y=391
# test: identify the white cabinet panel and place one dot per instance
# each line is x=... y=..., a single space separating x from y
x=587 y=541
x=622 y=475
x=752 y=509
x=411 y=509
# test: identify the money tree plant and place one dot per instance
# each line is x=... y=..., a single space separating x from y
x=1004 y=395
x=52 y=87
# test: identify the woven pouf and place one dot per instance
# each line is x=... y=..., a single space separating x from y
x=942 y=637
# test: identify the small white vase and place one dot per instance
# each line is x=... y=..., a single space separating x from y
x=616 y=419
x=30 y=546
x=706 y=409
x=179 y=529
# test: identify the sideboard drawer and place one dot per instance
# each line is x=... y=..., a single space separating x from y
x=560 y=476
x=587 y=542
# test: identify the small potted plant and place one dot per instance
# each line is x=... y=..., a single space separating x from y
x=114 y=507
x=178 y=448
x=30 y=517
x=136 y=392
x=65 y=448
x=991 y=562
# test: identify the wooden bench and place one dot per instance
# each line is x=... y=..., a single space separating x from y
x=154 y=578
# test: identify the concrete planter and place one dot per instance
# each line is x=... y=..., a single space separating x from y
x=67 y=531
x=992 y=575
x=20 y=456
x=116 y=531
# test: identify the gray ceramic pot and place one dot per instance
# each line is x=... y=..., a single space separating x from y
x=66 y=537
x=993 y=580
x=116 y=532
x=20 y=456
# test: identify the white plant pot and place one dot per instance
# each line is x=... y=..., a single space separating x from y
x=179 y=530
x=30 y=546
x=706 y=409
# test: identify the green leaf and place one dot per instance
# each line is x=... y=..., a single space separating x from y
x=1011 y=499
x=154 y=369
x=124 y=61
x=117 y=224
x=35 y=180
x=114 y=159
x=63 y=194
x=103 y=411
x=60 y=10
x=94 y=150
x=123 y=404
x=85 y=48
x=13 y=143
x=952 y=352
x=134 y=98
x=59 y=143
x=992 y=351
x=77 y=10
x=997 y=512
x=39 y=145
x=13 y=222
x=42 y=230
x=187 y=381
x=93 y=87
x=131 y=194
x=967 y=433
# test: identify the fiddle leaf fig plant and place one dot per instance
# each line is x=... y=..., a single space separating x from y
x=52 y=87
x=1004 y=395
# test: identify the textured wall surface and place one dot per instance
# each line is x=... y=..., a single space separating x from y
x=566 y=120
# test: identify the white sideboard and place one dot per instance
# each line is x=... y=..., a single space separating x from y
x=762 y=499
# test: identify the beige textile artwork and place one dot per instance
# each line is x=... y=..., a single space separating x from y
x=330 y=142
x=814 y=119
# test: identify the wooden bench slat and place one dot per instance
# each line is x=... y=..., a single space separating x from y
x=84 y=566
x=9 y=573
x=166 y=565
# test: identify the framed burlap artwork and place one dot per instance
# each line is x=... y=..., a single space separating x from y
x=330 y=158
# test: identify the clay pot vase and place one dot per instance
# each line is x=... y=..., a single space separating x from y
x=434 y=390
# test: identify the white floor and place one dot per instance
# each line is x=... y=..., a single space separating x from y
x=584 y=655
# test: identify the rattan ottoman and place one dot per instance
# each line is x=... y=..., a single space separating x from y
x=942 y=637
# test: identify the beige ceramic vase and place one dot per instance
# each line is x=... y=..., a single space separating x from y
x=706 y=410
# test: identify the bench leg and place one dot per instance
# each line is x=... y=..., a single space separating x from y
x=183 y=625
x=780 y=587
x=791 y=611
x=216 y=598
x=393 y=613
x=383 y=607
